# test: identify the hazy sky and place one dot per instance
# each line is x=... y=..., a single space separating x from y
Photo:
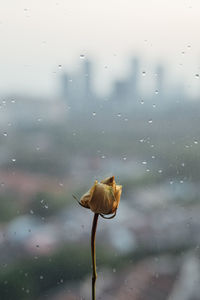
x=37 y=36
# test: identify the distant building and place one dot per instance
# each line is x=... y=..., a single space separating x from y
x=159 y=84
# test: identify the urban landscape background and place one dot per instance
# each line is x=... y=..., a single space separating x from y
x=142 y=127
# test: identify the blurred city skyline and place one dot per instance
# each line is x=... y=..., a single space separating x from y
x=37 y=39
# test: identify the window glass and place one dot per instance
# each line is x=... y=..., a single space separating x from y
x=89 y=90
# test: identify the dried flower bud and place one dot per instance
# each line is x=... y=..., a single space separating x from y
x=103 y=198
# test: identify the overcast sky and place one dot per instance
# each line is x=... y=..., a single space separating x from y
x=38 y=36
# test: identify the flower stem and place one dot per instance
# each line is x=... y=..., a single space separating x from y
x=94 y=273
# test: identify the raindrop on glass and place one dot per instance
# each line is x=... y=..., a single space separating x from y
x=5 y=134
x=144 y=162
x=13 y=159
x=124 y=158
x=143 y=73
x=150 y=121
x=160 y=171
x=197 y=75
x=41 y=277
x=94 y=114
x=31 y=212
x=156 y=92
x=82 y=56
x=142 y=101
x=195 y=142
x=59 y=66
x=154 y=105
x=119 y=115
x=103 y=156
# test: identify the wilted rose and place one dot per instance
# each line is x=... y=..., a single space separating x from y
x=103 y=197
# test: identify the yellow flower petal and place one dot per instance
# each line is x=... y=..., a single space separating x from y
x=103 y=197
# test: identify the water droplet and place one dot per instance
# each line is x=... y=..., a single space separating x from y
x=150 y=121
x=70 y=80
x=114 y=270
x=160 y=171
x=82 y=56
x=61 y=184
x=46 y=206
x=195 y=142
x=197 y=75
x=156 y=92
x=183 y=164
x=37 y=148
x=171 y=182
x=142 y=101
x=181 y=181
x=94 y=114
x=41 y=277
x=144 y=162
x=147 y=170
x=119 y=115
x=42 y=201
x=126 y=119
x=13 y=159
x=141 y=140
x=12 y=101
x=31 y=212
x=143 y=73
x=59 y=66
x=5 y=134
x=103 y=156
x=37 y=246
x=124 y=158
x=154 y=105
x=153 y=156
x=2 y=184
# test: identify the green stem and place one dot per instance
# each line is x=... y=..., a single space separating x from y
x=94 y=273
